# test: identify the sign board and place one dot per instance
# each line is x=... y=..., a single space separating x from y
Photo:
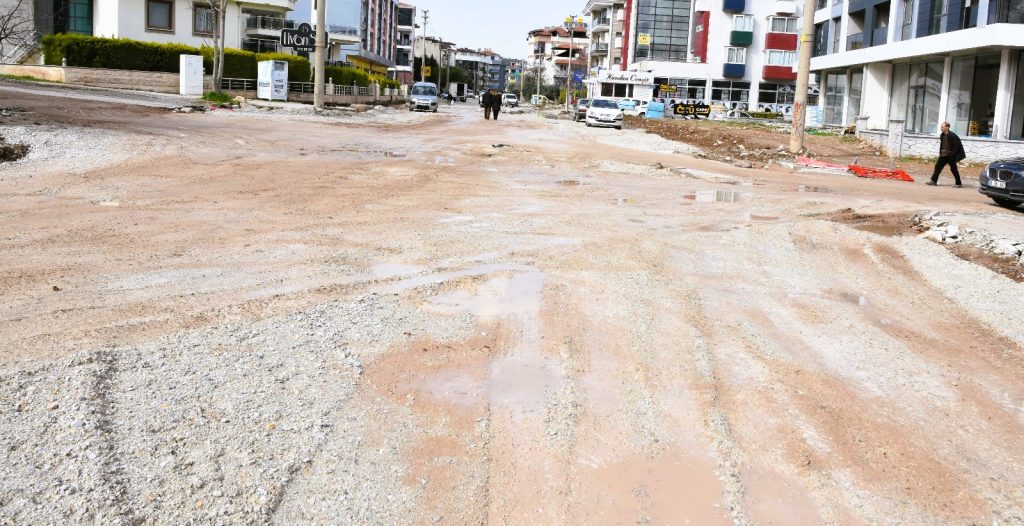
x=643 y=39
x=272 y=80
x=643 y=92
x=626 y=77
x=190 y=77
x=577 y=76
x=667 y=89
x=303 y=38
x=814 y=117
x=426 y=71
x=697 y=110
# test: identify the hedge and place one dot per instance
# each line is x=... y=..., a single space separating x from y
x=123 y=53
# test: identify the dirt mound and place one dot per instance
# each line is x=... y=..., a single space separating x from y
x=12 y=152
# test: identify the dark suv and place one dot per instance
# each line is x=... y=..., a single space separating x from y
x=1003 y=181
x=580 y=115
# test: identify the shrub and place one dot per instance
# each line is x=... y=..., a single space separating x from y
x=765 y=115
x=113 y=53
x=238 y=64
x=217 y=97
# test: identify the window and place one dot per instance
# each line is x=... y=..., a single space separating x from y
x=939 y=14
x=907 y=30
x=662 y=29
x=736 y=55
x=916 y=91
x=80 y=17
x=160 y=15
x=856 y=89
x=743 y=22
x=732 y=95
x=781 y=58
x=835 y=34
x=203 y=20
x=972 y=95
x=781 y=24
x=1005 y=12
x=1017 y=111
x=835 y=92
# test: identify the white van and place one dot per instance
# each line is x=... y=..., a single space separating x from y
x=423 y=96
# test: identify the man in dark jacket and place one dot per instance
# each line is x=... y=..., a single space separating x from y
x=951 y=151
x=486 y=100
x=495 y=102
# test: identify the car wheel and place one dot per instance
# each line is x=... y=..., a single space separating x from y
x=618 y=127
x=1006 y=203
x=642 y=115
x=410 y=108
x=588 y=125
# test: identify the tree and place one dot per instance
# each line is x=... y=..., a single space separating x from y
x=17 y=29
x=213 y=14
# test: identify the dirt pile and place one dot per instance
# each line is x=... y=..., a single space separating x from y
x=12 y=152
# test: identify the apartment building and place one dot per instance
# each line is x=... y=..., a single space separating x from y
x=739 y=54
x=254 y=25
x=406 y=37
x=553 y=50
x=363 y=33
x=607 y=26
x=918 y=63
x=485 y=67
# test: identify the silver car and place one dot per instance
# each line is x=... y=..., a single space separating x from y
x=604 y=112
x=423 y=96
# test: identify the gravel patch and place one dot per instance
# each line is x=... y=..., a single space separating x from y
x=69 y=149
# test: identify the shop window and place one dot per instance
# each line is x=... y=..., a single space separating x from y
x=160 y=15
x=835 y=92
x=776 y=98
x=732 y=95
x=203 y=20
x=781 y=24
x=972 y=95
x=915 y=95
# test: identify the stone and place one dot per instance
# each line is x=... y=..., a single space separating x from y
x=933 y=235
x=1004 y=247
x=53 y=406
x=742 y=164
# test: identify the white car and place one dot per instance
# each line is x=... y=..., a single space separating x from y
x=639 y=108
x=604 y=112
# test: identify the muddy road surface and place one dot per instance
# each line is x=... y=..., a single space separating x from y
x=240 y=318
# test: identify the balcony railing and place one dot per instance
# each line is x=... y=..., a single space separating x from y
x=269 y=23
x=601 y=24
x=599 y=48
x=261 y=45
x=855 y=42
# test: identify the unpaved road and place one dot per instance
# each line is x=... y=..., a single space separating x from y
x=254 y=320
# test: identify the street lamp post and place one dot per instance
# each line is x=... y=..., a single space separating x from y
x=571 y=23
x=423 y=62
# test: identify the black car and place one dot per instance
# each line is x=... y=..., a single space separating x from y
x=580 y=114
x=1003 y=181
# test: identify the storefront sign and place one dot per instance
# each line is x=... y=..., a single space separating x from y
x=627 y=77
x=301 y=39
x=665 y=88
x=643 y=39
x=693 y=110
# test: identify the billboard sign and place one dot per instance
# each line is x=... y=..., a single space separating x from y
x=301 y=39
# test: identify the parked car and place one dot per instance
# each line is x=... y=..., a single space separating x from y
x=423 y=97
x=738 y=114
x=1003 y=181
x=604 y=112
x=510 y=99
x=580 y=112
x=634 y=107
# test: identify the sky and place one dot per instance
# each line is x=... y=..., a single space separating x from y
x=478 y=24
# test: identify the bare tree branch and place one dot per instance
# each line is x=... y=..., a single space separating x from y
x=17 y=27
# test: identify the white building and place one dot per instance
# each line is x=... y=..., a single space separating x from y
x=552 y=50
x=607 y=25
x=740 y=54
x=917 y=63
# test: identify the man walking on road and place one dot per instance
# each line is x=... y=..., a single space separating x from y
x=486 y=101
x=495 y=103
x=951 y=151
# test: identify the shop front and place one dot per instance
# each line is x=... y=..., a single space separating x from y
x=622 y=84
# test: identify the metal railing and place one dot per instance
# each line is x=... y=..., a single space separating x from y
x=603 y=21
x=271 y=23
x=238 y=84
x=231 y=84
x=599 y=47
x=855 y=41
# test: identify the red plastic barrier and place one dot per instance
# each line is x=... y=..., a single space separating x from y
x=880 y=173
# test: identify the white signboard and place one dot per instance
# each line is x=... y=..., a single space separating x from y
x=643 y=92
x=190 y=75
x=626 y=77
x=272 y=81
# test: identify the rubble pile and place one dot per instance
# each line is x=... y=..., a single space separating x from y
x=933 y=227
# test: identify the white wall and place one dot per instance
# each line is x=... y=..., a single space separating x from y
x=127 y=19
x=874 y=101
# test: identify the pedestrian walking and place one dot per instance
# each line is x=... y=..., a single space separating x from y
x=951 y=151
x=495 y=103
x=486 y=100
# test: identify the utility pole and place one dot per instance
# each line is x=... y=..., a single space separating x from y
x=319 y=77
x=570 y=24
x=796 y=138
x=423 y=63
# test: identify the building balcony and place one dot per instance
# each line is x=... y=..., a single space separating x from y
x=734 y=71
x=270 y=26
x=601 y=4
x=855 y=42
x=779 y=73
x=784 y=41
x=599 y=48
x=601 y=25
x=735 y=6
x=784 y=7
x=741 y=38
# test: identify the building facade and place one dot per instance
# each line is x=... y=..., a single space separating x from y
x=253 y=25
x=607 y=29
x=486 y=68
x=406 y=37
x=738 y=54
x=363 y=33
x=553 y=51
x=923 y=62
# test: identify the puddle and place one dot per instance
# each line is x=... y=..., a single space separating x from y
x=820 y=189
x=717 y=196
x=391 y=270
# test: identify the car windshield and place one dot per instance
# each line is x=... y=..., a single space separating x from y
x=603 y=104
x=424 y=90
x=583 y=103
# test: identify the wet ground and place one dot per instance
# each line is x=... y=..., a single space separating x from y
x=590 y=329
